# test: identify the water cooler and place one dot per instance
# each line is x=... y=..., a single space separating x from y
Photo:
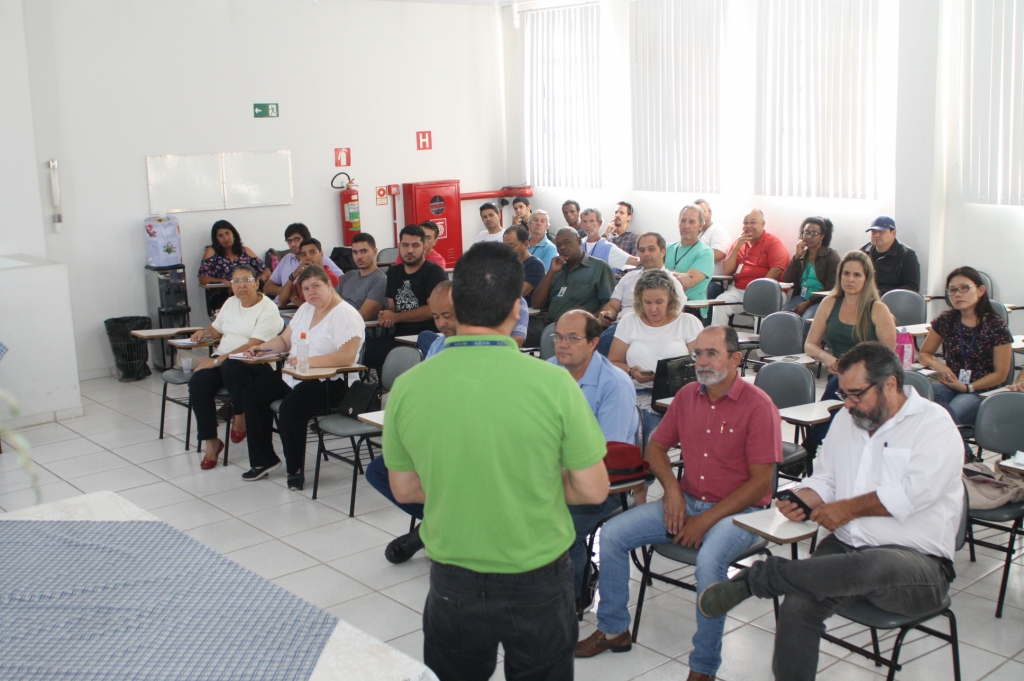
x=167 y=300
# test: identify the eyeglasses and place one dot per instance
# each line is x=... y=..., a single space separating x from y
x=250 y=280
x=571 y=340
x=854 y=396
x=811 y=234
x=710 y=354
x=961 y=289
x=294 y=239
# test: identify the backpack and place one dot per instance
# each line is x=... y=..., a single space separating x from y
x=991 y=489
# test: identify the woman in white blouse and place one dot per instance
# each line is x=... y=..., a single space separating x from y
x=334 y=331
x=246 y=319
x=654 y=330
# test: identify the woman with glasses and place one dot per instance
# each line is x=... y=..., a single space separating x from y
x=852 y=313
x=246 y=319
x=813 y=268
x=334 y=331
x=654 y=330
x=976 y=345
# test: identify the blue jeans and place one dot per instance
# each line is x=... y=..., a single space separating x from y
x=816 y=434
x=963 y=407
x=585 y=518
x=651 y=417
x=645 y=525
x=377 y=475
x=604 y=345
x=808 y=314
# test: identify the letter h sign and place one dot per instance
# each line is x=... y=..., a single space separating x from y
x=424 y=141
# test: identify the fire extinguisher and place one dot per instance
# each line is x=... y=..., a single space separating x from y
x=350 y=225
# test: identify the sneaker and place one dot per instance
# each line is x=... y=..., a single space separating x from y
x=403 y=548
x=257 y=473
x=295 y=481
x=721 y=597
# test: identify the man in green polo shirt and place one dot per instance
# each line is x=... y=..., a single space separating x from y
x=495 y=518
x=691 y=260
x=574 y=281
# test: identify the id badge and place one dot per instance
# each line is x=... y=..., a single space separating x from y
x=965 y=376
x=565 y=288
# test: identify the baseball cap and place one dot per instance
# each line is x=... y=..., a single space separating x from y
x=882 y=223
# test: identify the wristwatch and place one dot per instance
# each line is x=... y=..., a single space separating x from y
x=970 y=387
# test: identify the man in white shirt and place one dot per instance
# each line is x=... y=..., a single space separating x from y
x=651 y=248
x=719 y=240
x=598 y=247
x=888 y=486
x=492 y=222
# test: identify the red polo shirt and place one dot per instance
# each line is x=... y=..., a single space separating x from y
x=719 y=441
x=759 y=257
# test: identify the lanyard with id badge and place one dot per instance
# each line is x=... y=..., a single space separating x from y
x=966 y=352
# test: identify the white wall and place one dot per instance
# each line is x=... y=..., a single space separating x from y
x=21 y=229
x=113 y=82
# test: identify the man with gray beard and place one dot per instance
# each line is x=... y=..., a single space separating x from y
x=730 y=436
x=887 y=486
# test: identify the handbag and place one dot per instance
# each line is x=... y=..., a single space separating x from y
x=360 y=398
x=624 y=462
x=669 y=376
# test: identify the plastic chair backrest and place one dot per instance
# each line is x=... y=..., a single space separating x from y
x=398 y=361
x=388 y=255
x=547 y=342
x=782 y=333
x=961 y=532
x=1001 y=311
x=762 y=297
x=921 y=383
x=990 y=287
x=909 y=307
x=788 y=384
x=998 y=427
x=641 y=437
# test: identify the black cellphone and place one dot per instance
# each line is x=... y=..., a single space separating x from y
x=790 y=495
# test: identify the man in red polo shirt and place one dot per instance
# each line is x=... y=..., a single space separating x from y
x=755 y=255
x=730 y=435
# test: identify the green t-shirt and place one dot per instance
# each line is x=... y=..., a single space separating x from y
x=488 y=430
x=809 y=283
x=698 y=257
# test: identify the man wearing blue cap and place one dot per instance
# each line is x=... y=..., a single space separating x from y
x=896 y=265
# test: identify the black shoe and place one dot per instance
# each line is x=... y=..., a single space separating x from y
x=721 y=597
x=403 y=548
x=295 y=481
x=257 y=473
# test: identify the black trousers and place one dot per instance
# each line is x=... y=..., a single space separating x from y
x=532 y=614
x=231 y=374
x=300 y=403
x=534 y=330
x=375 y=351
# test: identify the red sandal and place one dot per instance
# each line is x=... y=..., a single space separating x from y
x=237 y=435
x=207 y=464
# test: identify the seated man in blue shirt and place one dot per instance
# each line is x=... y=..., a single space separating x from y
x=612 y=398
x=441 y=310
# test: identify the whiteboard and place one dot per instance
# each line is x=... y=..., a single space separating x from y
x=181 y=183
x=261 y=178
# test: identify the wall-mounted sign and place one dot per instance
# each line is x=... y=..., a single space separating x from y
x=342 y=157
x=265 y=110
x=424 y=141
x=382 y=196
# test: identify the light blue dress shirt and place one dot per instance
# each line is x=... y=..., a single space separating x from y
x=612 y=398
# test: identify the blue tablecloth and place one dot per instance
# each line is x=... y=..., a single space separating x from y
x=139 y=600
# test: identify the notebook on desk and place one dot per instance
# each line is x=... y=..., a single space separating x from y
x=264 y=357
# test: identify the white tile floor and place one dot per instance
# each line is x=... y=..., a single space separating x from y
x=315 y=550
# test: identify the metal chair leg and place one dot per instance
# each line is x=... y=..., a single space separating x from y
x=954 y=643
x=648 y=553
x=356 y=470
x=897 y=646
x=163 y=410
x=1010 y=551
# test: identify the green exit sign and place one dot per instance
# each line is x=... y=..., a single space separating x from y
x=265 y=110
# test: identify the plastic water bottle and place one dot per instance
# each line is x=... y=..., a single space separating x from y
x=302 y=354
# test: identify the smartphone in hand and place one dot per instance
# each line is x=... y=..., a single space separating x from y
x=790 y=495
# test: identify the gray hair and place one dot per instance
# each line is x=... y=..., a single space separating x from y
x=700 y=213
x=594 y=211
x=537 y=213
x=245 y=268
x=656 y=279
x=880 y=362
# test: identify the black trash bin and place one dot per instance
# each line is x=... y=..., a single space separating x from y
x=131 y=354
